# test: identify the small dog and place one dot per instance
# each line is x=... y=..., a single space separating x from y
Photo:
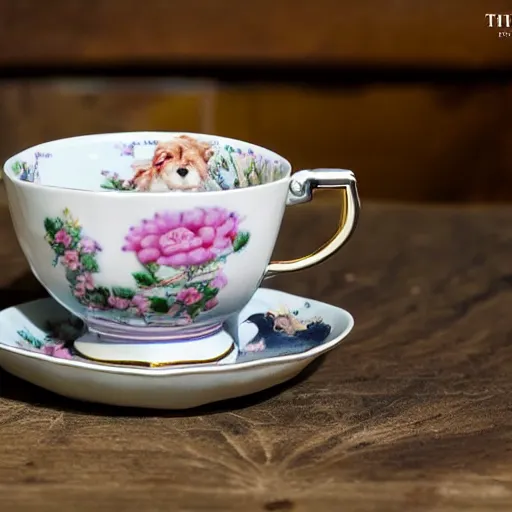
x=179 y=164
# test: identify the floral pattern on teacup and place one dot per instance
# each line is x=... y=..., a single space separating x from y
x=27 y=172
x=181 y=255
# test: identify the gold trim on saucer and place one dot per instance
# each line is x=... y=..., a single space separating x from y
x=157 y=365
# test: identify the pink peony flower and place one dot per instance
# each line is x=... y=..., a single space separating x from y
x=141 y=303
x=189 y=296
x=62 y=237
x=118 y=302
x=210 y=304
x=59 y=351
x=219 y=281
x=88 y=246
x=190 y=238
x=71 y=260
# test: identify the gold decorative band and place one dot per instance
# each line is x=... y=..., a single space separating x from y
x=158 y=365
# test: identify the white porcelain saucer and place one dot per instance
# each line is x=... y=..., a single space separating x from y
x=277 y=335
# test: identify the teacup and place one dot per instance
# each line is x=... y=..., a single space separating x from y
x=160 y=236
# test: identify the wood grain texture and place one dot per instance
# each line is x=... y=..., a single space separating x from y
x=36 y=112
x=413 y=412
x=361 y=32
x=405 y=142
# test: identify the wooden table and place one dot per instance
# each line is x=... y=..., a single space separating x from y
x=412 y=413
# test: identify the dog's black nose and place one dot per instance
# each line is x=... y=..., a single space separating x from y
x=182 y=171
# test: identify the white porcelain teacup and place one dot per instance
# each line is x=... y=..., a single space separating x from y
x=160 y=236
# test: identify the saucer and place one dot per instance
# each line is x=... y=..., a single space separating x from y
x=276 y=336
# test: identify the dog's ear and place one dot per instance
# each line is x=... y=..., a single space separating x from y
x=160 y=157
x=187 y=138
x=203 y=148
x=207 y=153
x=143 y=176
x=167 y=151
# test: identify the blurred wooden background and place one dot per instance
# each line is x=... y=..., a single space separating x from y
x=414 y=96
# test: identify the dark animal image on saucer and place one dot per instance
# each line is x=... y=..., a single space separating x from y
x=282 y=333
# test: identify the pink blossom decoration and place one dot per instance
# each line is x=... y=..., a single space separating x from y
x=186 y=239
x=79 y=290
x=118 y=302
x=141 y=303
x=219 y=281
x=189 y=296
x=59 y=351
x=86 y=280
x=63 y=237
x=71 y=260
x=174 y=310
x=210 y=304
x=88 y=246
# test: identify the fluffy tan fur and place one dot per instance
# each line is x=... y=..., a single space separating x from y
x=178 y=164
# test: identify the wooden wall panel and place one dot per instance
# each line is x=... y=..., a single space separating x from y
x=410 y=143
x=363 y=32
x=31 y=113
x=404 y=142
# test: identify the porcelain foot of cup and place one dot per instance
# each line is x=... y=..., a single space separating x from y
x=217 y=347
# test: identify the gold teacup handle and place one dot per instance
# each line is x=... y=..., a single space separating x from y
x=301 y=191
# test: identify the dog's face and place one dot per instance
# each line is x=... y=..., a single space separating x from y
x=182 y=164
